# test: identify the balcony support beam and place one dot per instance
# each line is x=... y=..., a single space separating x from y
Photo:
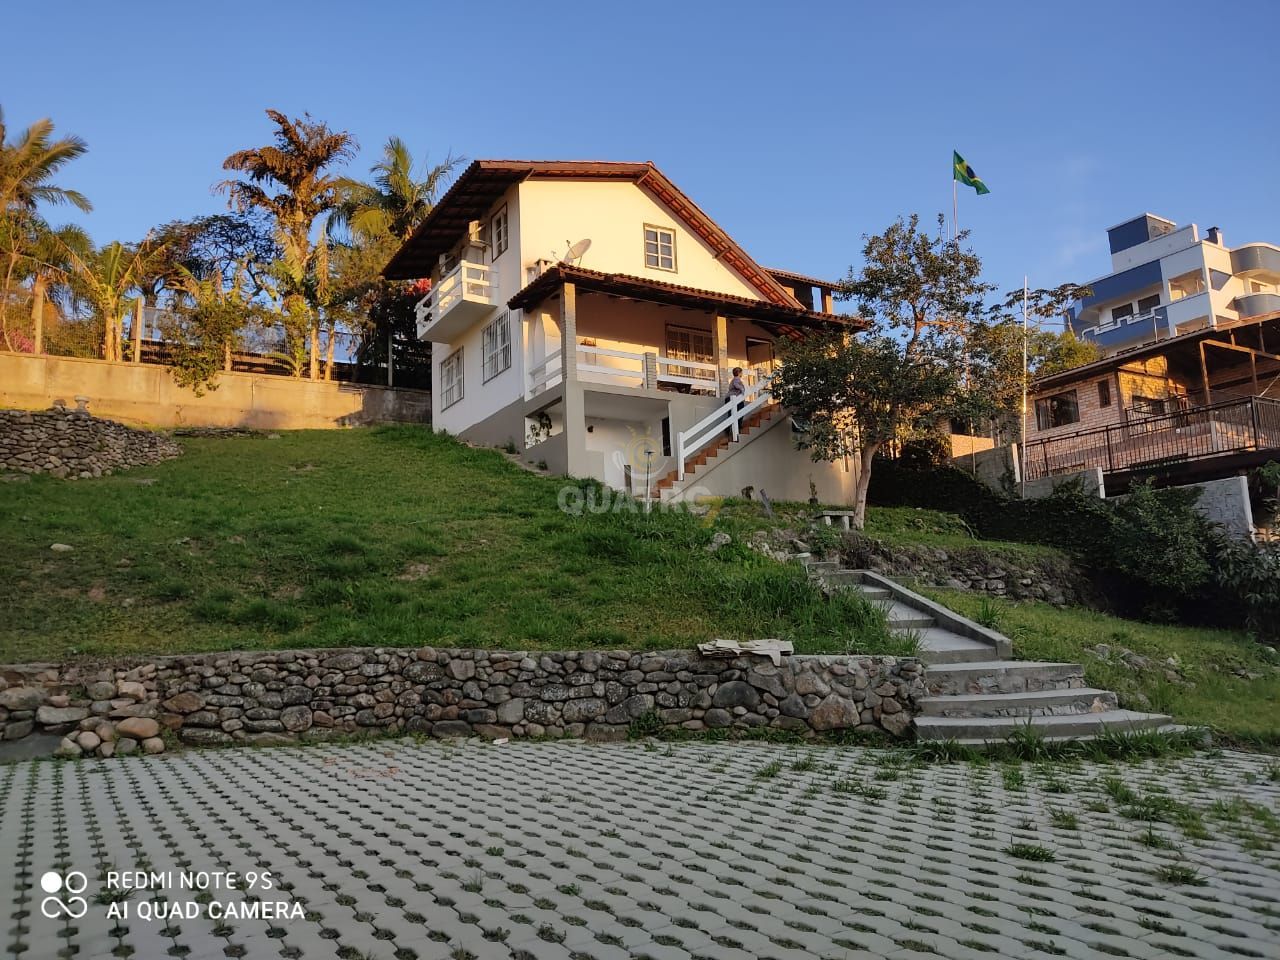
x=720 y=337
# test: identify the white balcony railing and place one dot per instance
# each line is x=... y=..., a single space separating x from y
x=469 y=286
x=727 y=417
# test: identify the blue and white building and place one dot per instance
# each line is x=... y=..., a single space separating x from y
x=1168 y=280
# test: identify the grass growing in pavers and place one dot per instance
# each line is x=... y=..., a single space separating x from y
x=381 y=536
x=399 y=848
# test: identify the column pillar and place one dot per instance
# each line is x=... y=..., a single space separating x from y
x=569 y=331
x=575 y=423
x=720 y=335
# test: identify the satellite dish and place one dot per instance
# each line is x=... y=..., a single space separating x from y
x=575 y=252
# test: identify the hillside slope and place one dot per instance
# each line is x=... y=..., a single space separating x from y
x=384 y=536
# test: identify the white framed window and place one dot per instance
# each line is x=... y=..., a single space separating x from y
x=659 y=248
x=496 y=343
x=498 y=235
x=451 y=379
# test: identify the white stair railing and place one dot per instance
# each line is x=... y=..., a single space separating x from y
x=728 y=417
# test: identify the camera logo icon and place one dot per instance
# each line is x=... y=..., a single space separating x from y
x=71 y=905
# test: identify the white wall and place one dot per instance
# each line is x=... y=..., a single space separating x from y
x=612 y=214
x=479 y=400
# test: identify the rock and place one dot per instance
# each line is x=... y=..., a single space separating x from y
x=88 y=740
x=153 y=745
x=107 y=749
x=61 y=547
x=100 y=690
x=21 y=698
x=185 y=702
x=17 y=729
x=769 y=682
x=834 y=713
x=204 y=737
x=139 y=728
x=716 y=717
x=68 y=749
x=793 y=706
x=268 y=738
x=461 y=669
x=719 y=540
x=126 y=746
x=577 y=711
x=132 y=690
x=889 y=705
x=736 y=693
x=48 y=716
x=510 y=712
x=896 y=723
x=296 y=718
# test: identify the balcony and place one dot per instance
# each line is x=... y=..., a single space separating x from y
x=1244 y=426
x=463 y=296
x=647 y=370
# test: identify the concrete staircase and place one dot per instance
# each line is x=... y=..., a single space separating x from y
x=722 y=447
x=977 y=694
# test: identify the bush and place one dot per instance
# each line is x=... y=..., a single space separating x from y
x=1250 y=575
x=1149 y=552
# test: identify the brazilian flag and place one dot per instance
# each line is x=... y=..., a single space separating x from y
x=964 y=173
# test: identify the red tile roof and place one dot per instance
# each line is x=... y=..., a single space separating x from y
x=643 y=288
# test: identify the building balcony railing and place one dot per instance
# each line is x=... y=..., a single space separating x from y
x=464 y=295
x=1150 y=443
x=647 y=370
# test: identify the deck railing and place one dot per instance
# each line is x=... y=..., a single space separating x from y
x=726 y=418
x=1149 y=443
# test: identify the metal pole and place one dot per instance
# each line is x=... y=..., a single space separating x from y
x=955 y=222
x=391 y=355
x=648 y=490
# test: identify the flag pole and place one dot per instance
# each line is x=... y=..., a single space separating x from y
x=1022 y=436
x=955 y=226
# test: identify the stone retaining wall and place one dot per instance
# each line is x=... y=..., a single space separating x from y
x=1053 y=579
x=75 y=445
x=285 y=696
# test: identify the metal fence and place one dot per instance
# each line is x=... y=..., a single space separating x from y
x=1232 y=426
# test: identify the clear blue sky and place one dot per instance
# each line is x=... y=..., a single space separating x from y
x=799 y=126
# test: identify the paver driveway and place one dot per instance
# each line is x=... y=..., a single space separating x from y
x=432 y=850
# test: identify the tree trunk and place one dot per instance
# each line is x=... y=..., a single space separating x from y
x=108 y=329
x=4 y=301
x=314 y=368
x=328 y=356
x=37 y=314
x=226 y=356
x=866 y=456
x=137 y=330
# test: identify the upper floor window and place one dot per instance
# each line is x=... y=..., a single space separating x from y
x=496 y=341
x=498 y=235
x=659 y=248
x=1147 y=304
x=1104 y=393
x=1122 y=311
x=1058 y=410
x=451 y=379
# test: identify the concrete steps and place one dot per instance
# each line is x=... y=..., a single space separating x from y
x=712 y=451
x=977 y=695
x=979 y=730
x=1037 y=703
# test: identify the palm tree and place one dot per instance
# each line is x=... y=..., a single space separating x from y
x=106 y=280
x=396 y=201
x=48 y=268
x=297 y=164
x=28 y=164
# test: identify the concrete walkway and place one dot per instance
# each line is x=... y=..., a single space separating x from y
x=728 y=851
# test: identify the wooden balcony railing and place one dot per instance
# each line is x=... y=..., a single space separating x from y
x=1149 y=443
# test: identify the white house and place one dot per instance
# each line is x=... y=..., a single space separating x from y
x=591 y=314
x=1168 y=280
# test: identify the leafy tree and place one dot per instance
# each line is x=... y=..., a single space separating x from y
x=291 y=181
x=29 y=163
x=204 y=325
x=920 y=296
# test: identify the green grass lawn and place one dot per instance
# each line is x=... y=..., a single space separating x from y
x=383 y=536
x=1244 y=710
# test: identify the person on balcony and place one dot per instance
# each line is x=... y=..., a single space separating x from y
x=736 y=395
